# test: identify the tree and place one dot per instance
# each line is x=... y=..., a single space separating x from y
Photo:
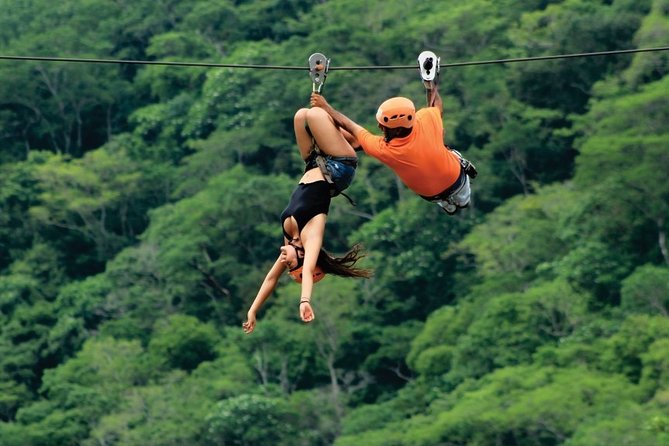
x=432 y=349
x=638 y=424
x=413 y=259
x=654 y=30
x=626 y=128
x=182 y=342
x=526 y=152
x=647 y=291
x=248 y=420
x=91 y=196
x=172 y=409
x=27 y=297
x=68 y=108
x=570 y=27
x=622 y=352
x=80 y=392
x=655 y=372
x=18 y=191
x=521 y=236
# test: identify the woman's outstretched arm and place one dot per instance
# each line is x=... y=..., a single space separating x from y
x=264 y=292
x=312 y=240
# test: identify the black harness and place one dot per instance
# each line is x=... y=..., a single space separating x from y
x=466 y=169
x=446 y=193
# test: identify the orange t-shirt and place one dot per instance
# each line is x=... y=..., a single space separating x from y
x=421 y=160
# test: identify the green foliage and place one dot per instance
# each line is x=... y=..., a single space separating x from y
x=521 y=404
x=12 y=396
x=69 y=108
x=138 y=216
x=182 y=342
x=526 y=151
x=573 y=26
x=80 y=392
x=653 y=31
x=369 y=418
x=622 y=352
x=17 y=192
x=432 y=350
x=624 y=203
x=638 y=425
x=388 y=362
x=173 y=410
x=591 y=267
x=248 y=420
x=27 y=315
x=91 y=196
x=511 y=327
x=647 y=291
x=520 y=237
x=401 y=242
x=655 y=372
x=81 y=308
x=202 y=263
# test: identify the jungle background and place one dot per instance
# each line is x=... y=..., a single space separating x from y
x=139 y=213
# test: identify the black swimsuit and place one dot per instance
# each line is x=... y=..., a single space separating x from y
x=307 y=201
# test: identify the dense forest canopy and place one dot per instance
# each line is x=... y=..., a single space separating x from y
x=139 y=213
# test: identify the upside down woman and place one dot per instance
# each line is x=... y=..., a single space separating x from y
x=303 y=220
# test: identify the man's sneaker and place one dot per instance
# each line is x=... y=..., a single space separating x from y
x=447 y=207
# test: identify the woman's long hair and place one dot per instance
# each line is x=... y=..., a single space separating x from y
x=343 y=266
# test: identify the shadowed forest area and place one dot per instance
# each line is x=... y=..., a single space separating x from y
x=139 y=214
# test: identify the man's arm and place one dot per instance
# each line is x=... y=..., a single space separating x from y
x=433 y=97
x=339 y=118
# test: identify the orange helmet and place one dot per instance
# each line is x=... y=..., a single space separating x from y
x=396 y=112
x=296 y=274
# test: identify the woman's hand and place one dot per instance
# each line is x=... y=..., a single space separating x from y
x=306 y=312
x=250 y=323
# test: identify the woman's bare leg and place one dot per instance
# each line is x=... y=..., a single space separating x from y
x=328 y=137
x=304 y=141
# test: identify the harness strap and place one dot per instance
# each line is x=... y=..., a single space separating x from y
x=316 y=157
x=320 y=162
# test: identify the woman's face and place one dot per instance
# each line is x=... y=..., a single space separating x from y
x=288 y=256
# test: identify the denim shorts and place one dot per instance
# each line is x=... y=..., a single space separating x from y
x=341 y=170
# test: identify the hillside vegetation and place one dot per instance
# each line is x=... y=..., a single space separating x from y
x=139 y=213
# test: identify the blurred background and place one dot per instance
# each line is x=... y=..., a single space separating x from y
x=139 y=213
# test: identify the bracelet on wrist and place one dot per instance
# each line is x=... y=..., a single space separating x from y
x=304 y=300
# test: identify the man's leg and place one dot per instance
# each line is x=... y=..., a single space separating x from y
x=457 y=200
x=462 y=196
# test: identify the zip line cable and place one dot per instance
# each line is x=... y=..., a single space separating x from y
x=147 y=62
x=520 y=59
x=331 y=68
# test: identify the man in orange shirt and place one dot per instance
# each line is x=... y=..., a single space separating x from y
x=412 y=146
